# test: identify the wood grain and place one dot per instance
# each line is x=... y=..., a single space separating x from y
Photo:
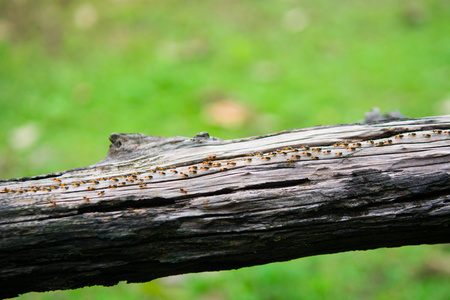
x=159 y=206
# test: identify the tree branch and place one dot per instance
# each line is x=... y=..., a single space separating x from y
x=158 y=206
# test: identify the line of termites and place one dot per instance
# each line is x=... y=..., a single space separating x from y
x=99 y=186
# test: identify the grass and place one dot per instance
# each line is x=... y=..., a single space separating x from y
x=71 y=73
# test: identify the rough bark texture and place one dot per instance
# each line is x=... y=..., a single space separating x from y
x=163 y=206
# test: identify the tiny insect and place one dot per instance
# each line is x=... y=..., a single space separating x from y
x=174 y=171
x=192 y=168
x=94 y=182
x=388 y=142
x=371 y=142
x=160 y=168
x=327 y=151
x=265 y=157
x=223 y=169
x=65 y=187
x=121 y=184
x=304 y=148
x=427 y=135
x=231 y=163
x=86 y=198
x=247 y=159
x=183 y=191
x=101 y=193
x=184 y=175
x=113 y=179
x=162 y=173
x=412 y=134
x=204 y=168
x=56 y=179
x=207 y=163
x=307 y=153
x=296 y=156
x=148 y=177
x=76 y=184
x=142 y=185
x=437 y=131
x=112 y=186
x=217 y=164
x=338 y=153
x=351 y=148
x=211 y=157
x=315 y=157
x=357 y=144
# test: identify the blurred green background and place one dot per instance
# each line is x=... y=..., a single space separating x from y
x=72 y=72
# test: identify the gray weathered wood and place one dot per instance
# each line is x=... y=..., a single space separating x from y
x=381 y=185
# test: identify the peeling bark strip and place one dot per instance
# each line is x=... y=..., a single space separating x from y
x=158 y=206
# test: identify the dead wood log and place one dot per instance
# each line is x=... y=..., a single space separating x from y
x=159 y=206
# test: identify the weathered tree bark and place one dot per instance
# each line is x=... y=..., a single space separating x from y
x=163 y=206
